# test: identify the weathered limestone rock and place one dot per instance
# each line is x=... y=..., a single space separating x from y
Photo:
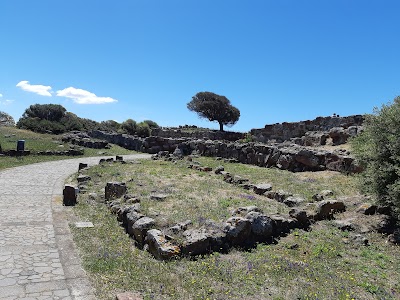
x=69 y=195
x=197 y=242
x=159 y=246
x=326 y=208
x=114 y=190
x=140 y=228
x=260 y=189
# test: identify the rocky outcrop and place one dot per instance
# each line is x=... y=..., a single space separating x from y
x=286 y=131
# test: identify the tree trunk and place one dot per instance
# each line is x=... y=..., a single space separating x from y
x=221 y=126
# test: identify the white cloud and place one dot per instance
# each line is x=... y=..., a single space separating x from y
x=42 y=90
x=1 y=95
x=83 y=97
x=6 y=102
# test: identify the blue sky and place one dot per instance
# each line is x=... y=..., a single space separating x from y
x=276 y=61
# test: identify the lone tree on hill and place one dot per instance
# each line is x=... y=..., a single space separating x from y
x=214 y=108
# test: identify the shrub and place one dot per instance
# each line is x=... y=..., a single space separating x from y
x=129 y=126
x=378 y=150
x=143 y=129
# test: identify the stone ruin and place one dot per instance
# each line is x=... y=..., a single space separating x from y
x=311 y=132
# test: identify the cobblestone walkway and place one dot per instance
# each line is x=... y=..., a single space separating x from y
x=38 y=259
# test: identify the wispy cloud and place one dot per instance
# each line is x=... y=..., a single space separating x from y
x=83 y=97
x=41 y=90
x=6 y=102
x=1 y=95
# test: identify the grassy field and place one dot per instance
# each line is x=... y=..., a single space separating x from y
x=322 y=263
x=41 y=142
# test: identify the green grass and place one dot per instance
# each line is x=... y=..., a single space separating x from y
x=41 y=142
x=323 y=265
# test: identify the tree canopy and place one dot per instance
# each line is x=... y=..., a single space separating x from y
x=214 y=108
x=378 y=150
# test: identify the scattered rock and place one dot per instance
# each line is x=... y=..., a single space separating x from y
x=132 y=217
x=394 y=238
x=178 y=228
x=367 y=209
x=300 y=215
x=128 y=296
x=140 y=228
x=83 y=178
x=197 y=242
x=260 y=189
x=344 y=225
x=293 y=201
x=279 y=196
x=219 y=169
x=326 y=208
x=159 y=197
x=114 y=190
x=242 y=211
x=69 y=195
x=237 y=230
x=322 y=195
x=159 y=246
x=82 y=166
x=360 y=239
x=262 y=227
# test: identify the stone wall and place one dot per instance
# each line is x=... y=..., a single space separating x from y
x=197 y=134
x=286 y=131
x=286 y=157
x=290 y=157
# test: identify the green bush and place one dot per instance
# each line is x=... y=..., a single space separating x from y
x=143 y=129
x=378 y=150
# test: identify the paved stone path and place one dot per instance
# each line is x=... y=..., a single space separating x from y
x=38 y=259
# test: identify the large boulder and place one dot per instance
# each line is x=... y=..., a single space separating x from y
x=159 y=246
